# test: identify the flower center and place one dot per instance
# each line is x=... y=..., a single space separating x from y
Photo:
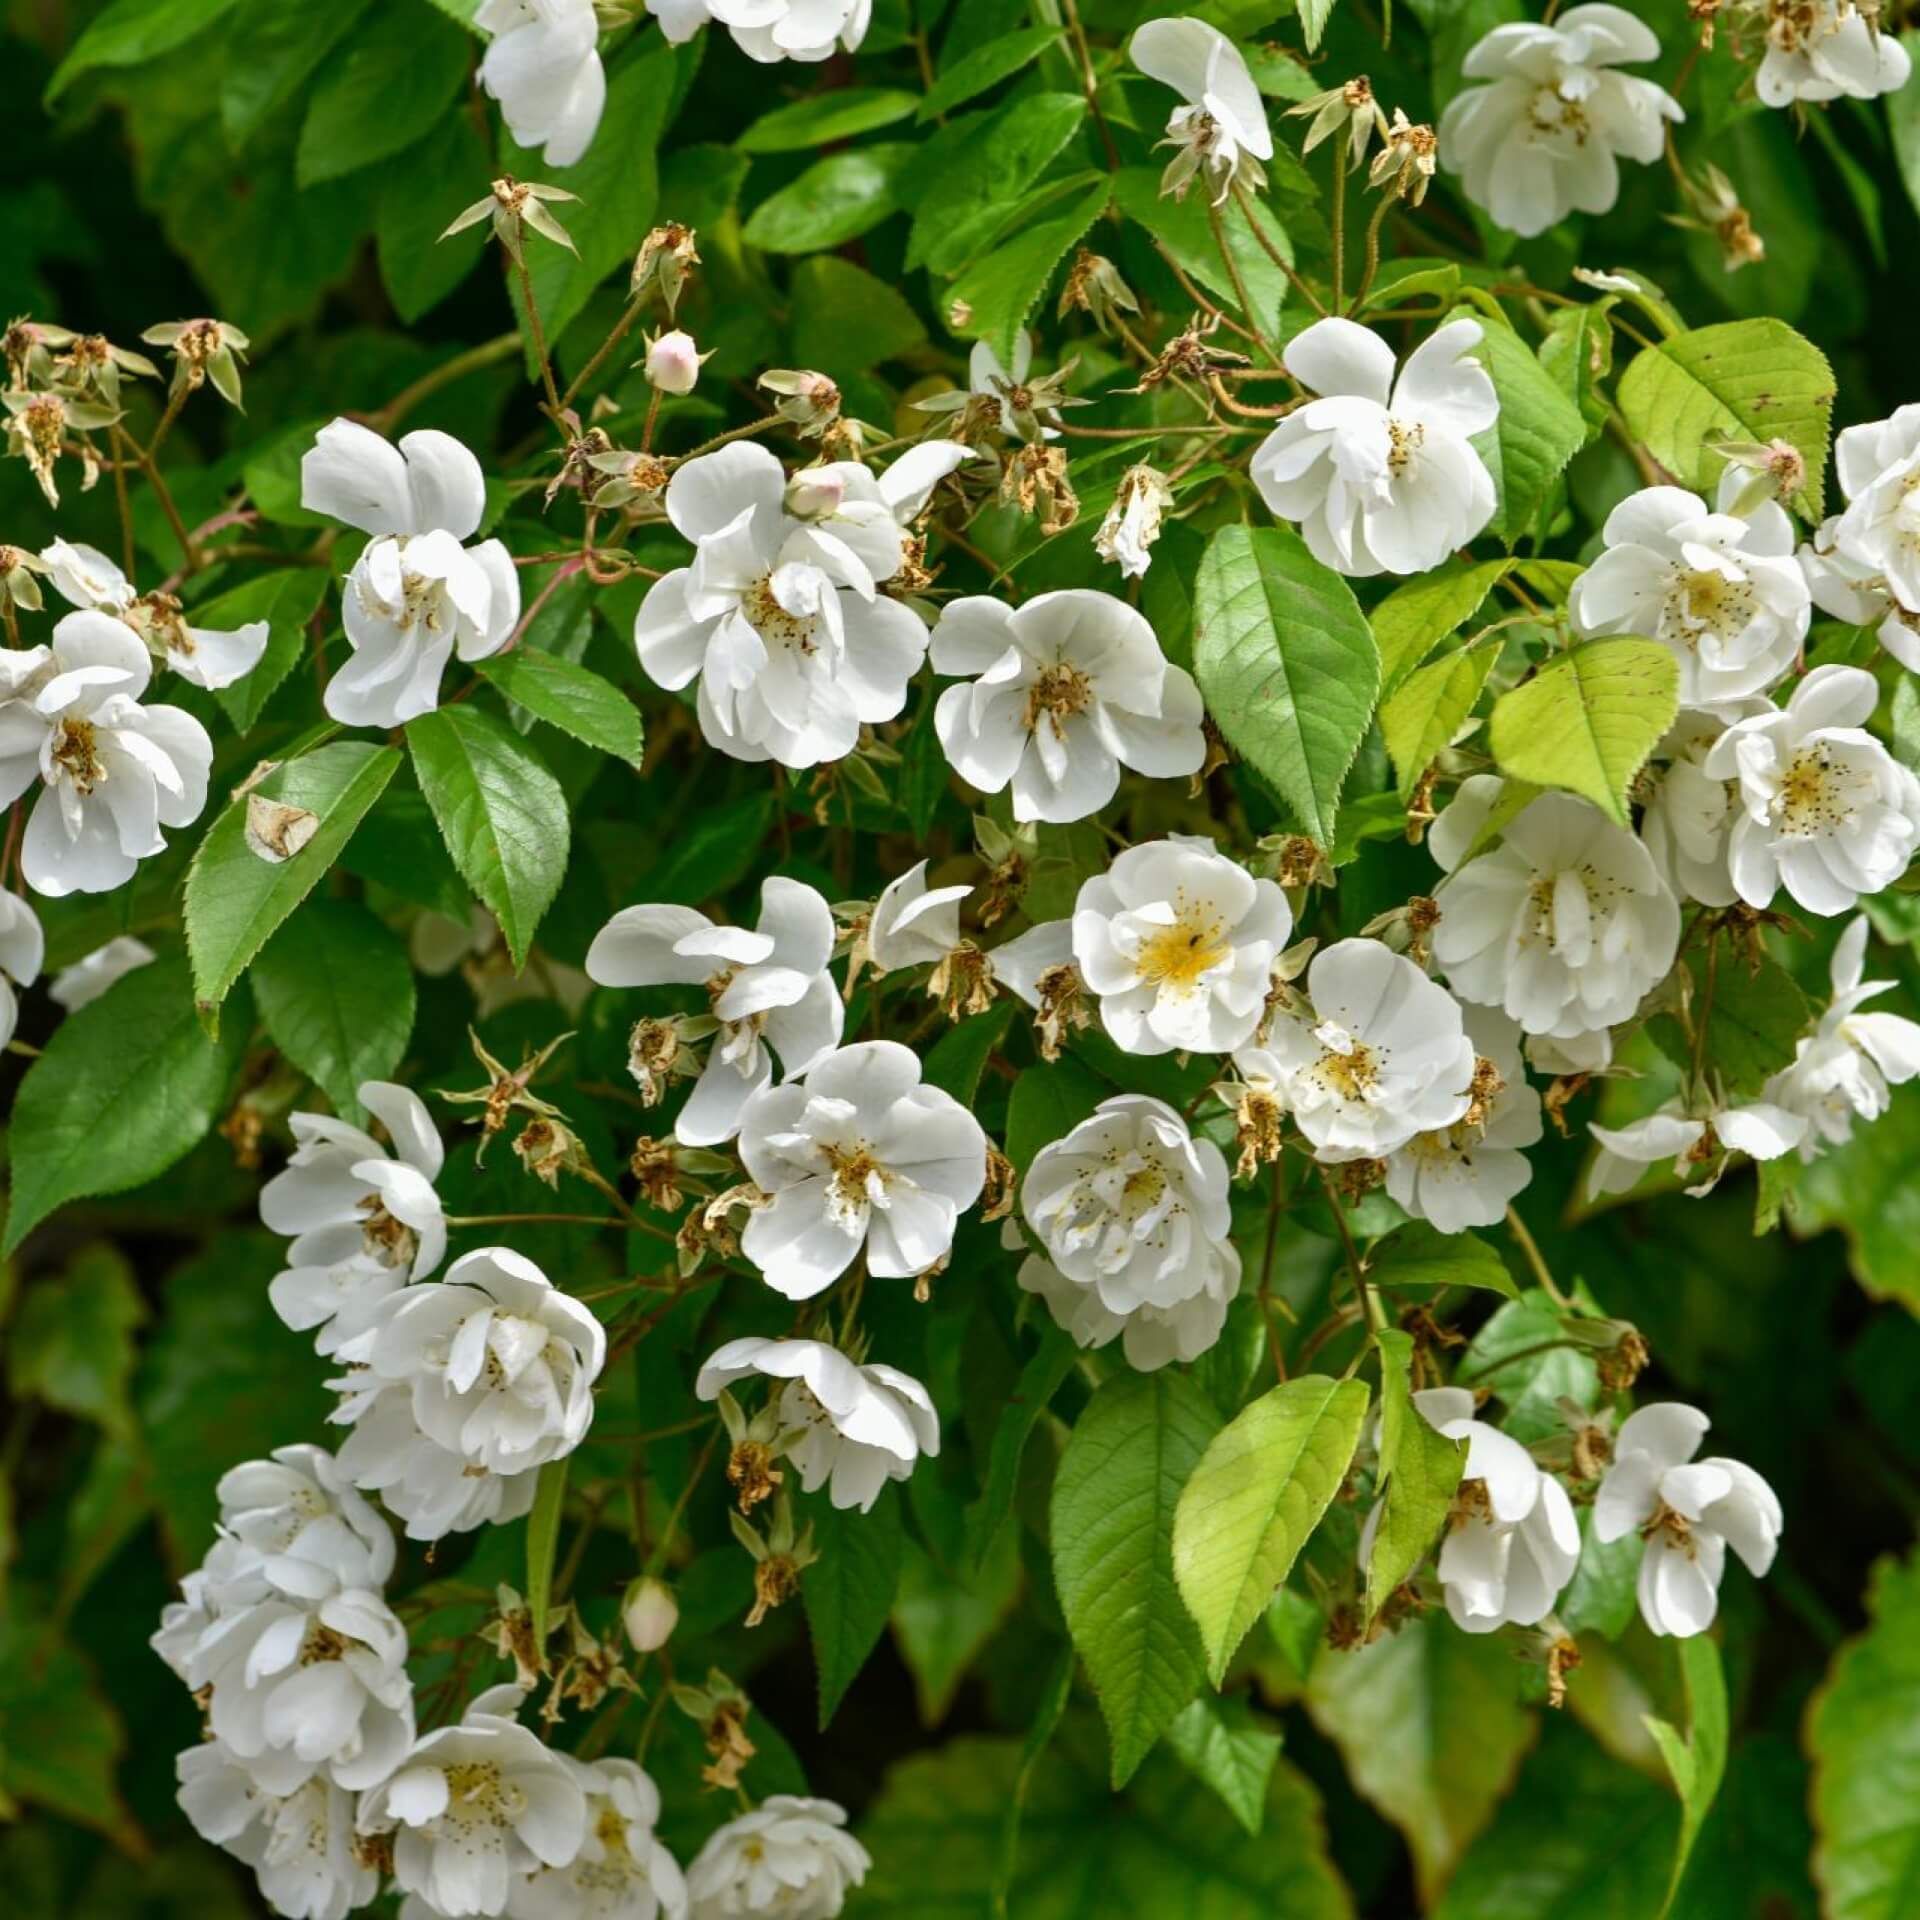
x=1813 y=797
x=477 y=1795
x=1554 y=113
x=392 y=1242
x=1348 y=1065
x=858 y=1181
x=1711 y=603
x=77 y=756
x=772 y=622
x=1670 y=1528
x=322 y=1644
x=1404 y=440
x=1181 y=955
x=1058 y=693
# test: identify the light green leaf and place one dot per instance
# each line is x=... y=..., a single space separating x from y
x=1419 y=1472
x=271 y=48
x=501 y=813
x=71 y=1344
x=1287 y=665
x=1903 y=122
x=1420 y=1256
x=543 y=1542
x=573 y=698
x=1538 y=432
x=826 y=117
x=286 y=601
x=389 y=85
x=1004 y=285
x=1184 y=229
x=1132 y=1450
x=849 y=1591
x=1578 y=353
x=986 y=67
x=1698 y=1762
x=974 y=176
x=1230 y=1748
x=336 y=995
x=836 y=200
x=1413 y=619
x=1588 y=719
x=1516 y=1358
x=125 y=1087
x=1431 y=1726
x=235 y=899
x=1256 y=1495
x=1430 y=708
x=126 y=33
x=1752 y=379
x=845 y=321
x=1314 y=15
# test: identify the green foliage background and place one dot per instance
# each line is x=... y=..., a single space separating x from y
x=287 y=167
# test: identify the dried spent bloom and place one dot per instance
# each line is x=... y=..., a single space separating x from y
x=1221 y=130
x=1350 y=106
x=1406 y=160
x=204 y=351
x=513 y=205
x=1132 y=525
x=666 y=257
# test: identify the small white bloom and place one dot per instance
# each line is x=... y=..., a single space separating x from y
x=1464 y=1175
x=649 y=1614
x=86 y=578
x=768 y=988
x=22 y=948
x=1825 y=810
x=1222 y=129
x=1135 y=1217
x=1828 y=50
x=417 y=595
x=912 y=926
x=778 y=619
x=848 y=1428
x=1512 y=1542
x=1856 y=592
x=1687 y=824
x=1180 y=943
x=543 y=66
x=1071 y=687
x=859 y=1154
x=1544 y=139
x=1690 y=1512
x=1380 y=473
x=1575 y=1054
x=476 y=1805
x=1722 y=594
x=1877 y=464
x=1383 y=1057
x=299 y=1501
x=1566 y=923
x=773 y=30
x=88 y=978
x=853 y=523
x=300 y=1845
x=789 y=1857
x=1696 y=1144
x=113 y=772
x=1847 y=1065
x=621 y=1872
x=1132 y=524
x=673 y=363
x=364 y=1219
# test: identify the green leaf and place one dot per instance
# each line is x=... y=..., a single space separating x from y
x=1864 y=1734
x=543 y=1542
x=1230 y=1748
x=1033 y=1391
x=1132 y=1450
x=1418 y=1255
x=127 y=33
x=1314 y=15
x=286 y=601
x=845 y=321
x=986 y=67
x=1048 y=1101
x=125 y=1087
x=1754 y=1022
x=849 y=1591
x=417 y=203
x=60 y=1740
x=235 y=899
x=1430 y=1723
x=390 y=85
x=1753 y=379
x=1538 y=432
x=1514 y=1358
x=973 y=177
x=1184 y=229
x=1004 y=285
x=71 y=1345
x=836 y=200
x=270 y=50
x=1413 y=619
x=955 y=1062
x=826 y=117
x=575 y=699
x=1588 y=719
x=1287 y=665
x=1578 y=353
x=1419 y=1470
x=714 y=854
x=1866 y=1188
x=335 y=991
x=1698 y=1762
x=1903 y=122
x=942 y=1619
x=501 y=813
x=1254 y=1498
x=1430 y=708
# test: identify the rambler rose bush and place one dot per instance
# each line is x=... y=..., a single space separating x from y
x=945 y=906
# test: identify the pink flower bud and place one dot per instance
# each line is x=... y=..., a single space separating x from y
x=673 y=363
x=815 y=492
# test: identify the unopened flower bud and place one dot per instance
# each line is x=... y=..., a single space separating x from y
x=649 y=1613
x=806 y=400
x=815 y=492
x=673 y=362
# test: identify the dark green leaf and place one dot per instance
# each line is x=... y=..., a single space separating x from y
x=825 y=117
x=386 y=88
x=128 y=32
x=272 y=47
x=836 y=200
x=72 y=1343
x=986 y=67
x=849 y=1591
x=286 y=601
x=573 y=698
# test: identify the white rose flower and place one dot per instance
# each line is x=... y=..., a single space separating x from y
x=1696 y=1144
x=299 y=1501
x=792 y=646
x=1575 y=1054
x=417 y=595
x=1222 y=129
x=1383 y=1057
x=300 y=1845
x=1544 y=139
x=1135 y=1217
x=1689 y=1511
x=543 y=66
x=1687 y=824
x=113 y=772
x=1071 y=687
x=789 y=1857
x=85 y=577
x=859 y=1154
x=1512 y=1542
x=1847 y=1065
x=1722 y=594
x=772 y=30
x=1179 y=942
x=1878 y=535
x=913 y=926
x=768 y=988
x=364 y=1220
x=1380 y=473
x=1856 y=592
x=1825 y=810
x=87 y=979
x=621 y=1872
x=1829 y=50
x=848 y=1428
x=1464 y=1175
x=475 y=1806
x=855 y=522
x=1566 y=923
x=22 y=948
